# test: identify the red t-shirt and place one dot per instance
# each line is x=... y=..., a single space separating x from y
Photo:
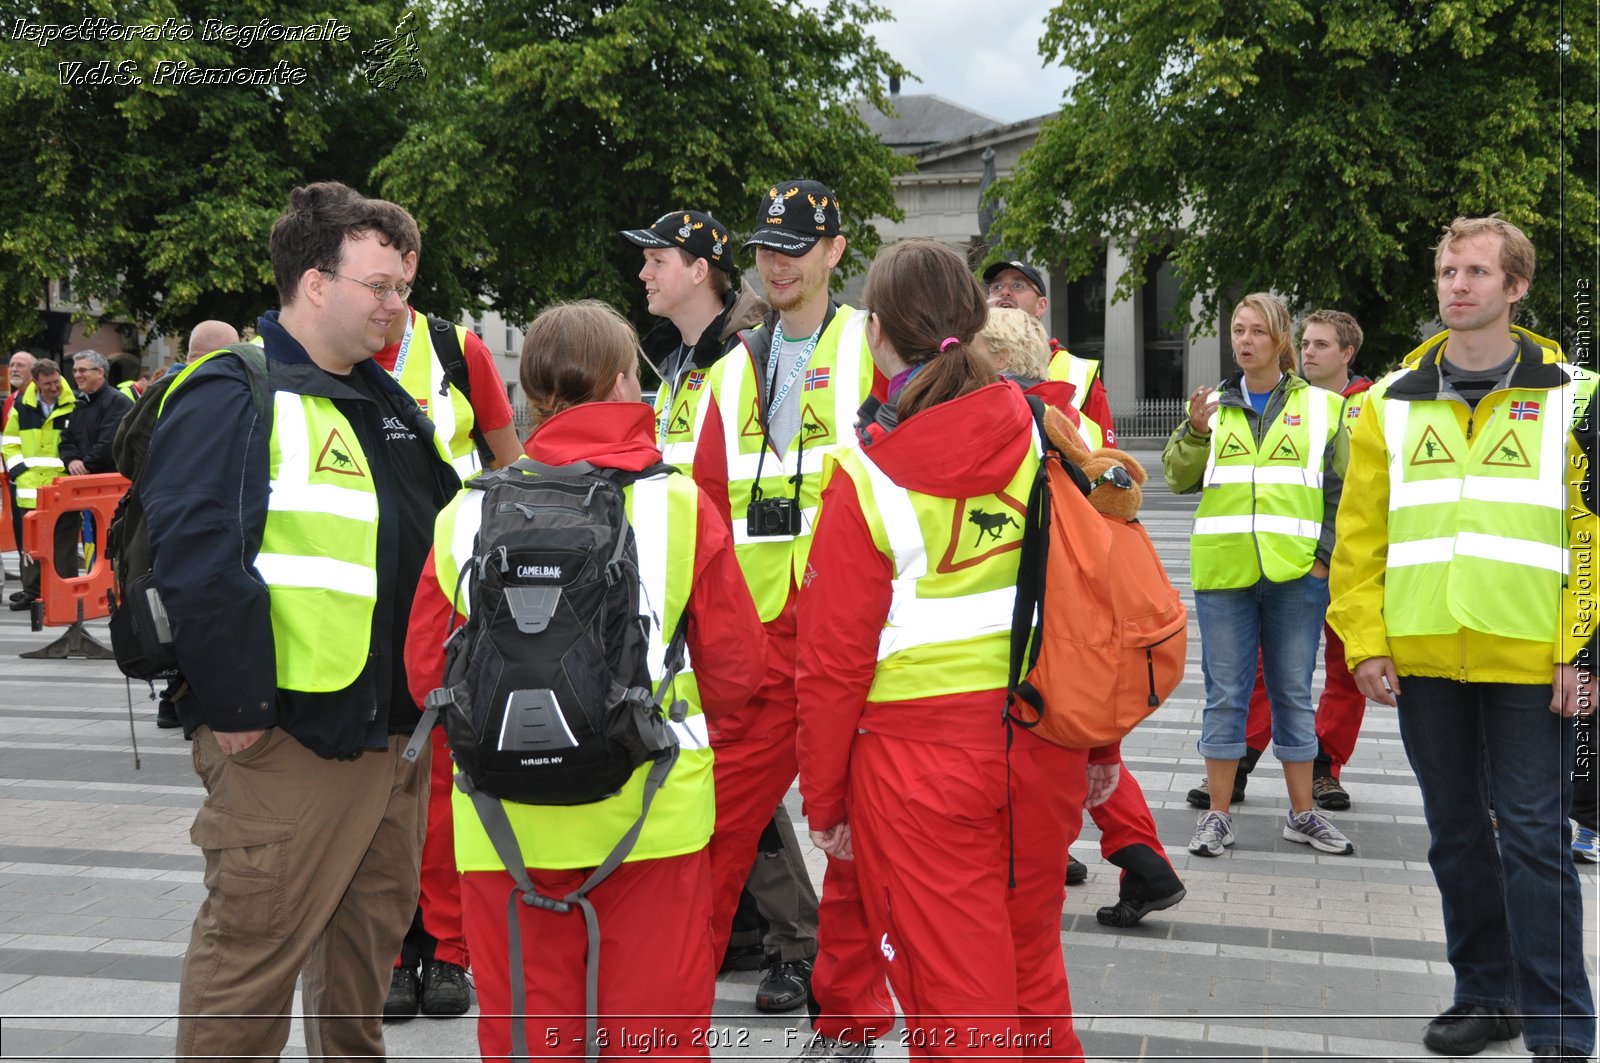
x=491 y=408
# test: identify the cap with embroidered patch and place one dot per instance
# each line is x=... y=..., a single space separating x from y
x=694 y=231
x=794 y=216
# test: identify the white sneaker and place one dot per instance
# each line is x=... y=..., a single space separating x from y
x=1312 y=828
x=1212 y=834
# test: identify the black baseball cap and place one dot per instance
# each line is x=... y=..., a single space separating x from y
x=794 y=216
x=694 y=231
x=994 y=269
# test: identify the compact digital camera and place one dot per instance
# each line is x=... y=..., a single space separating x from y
x=773 y=517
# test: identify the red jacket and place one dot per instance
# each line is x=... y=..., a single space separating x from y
x=726 y=643
x=964 y=448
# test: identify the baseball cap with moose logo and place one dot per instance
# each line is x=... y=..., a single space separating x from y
x=794 y=216
x=692 y=230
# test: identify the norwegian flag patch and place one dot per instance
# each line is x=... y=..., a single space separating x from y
x=1524 y=411
x=695 y=380
x=1291 y=419
x=816 y=378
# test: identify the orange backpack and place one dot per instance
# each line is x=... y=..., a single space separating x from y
x=1098 y=635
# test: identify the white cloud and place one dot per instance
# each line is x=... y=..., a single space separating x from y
x=982 y=54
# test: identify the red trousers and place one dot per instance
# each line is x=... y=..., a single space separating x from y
x=1125 y=821
x=658 y=976
x=440 y=900
x=1339 y=712
x=976 y=965
x=753 y=773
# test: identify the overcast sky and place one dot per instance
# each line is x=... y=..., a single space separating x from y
x=982 y=54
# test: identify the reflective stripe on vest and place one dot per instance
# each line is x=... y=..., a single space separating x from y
x=1079 y=372
x=1262 y=507
x=1479 y=526
x=664 y=513
x=424 y=379
x=949 y=629
x=319 y=548
x=769 y=563
x=37 y=446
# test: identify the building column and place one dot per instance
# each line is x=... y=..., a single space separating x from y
x=1122 y=368
x=1204 y=364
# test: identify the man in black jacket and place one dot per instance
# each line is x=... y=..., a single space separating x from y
x=86 y=443
x=286 y=545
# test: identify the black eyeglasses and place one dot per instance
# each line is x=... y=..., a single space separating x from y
x=1116 y=476
x=382 y=291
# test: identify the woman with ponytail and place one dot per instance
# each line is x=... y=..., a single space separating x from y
x=905 y=622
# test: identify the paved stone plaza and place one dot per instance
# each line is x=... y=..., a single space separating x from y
x=1277 y=952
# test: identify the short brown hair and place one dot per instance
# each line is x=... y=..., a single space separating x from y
x=1018 y=339
x=1344 y=326
x=924 y=295
x=408 y=239
x=572 y=353
x=1279 y=328
x=1517 y=257
x=311 y=231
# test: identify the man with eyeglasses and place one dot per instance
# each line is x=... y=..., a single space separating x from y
x=1019 y=285
x=287 y=544
x=86 y=443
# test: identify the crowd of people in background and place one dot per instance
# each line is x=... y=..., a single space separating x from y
x=1427 y=530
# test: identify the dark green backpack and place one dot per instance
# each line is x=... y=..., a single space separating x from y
x=141 y=638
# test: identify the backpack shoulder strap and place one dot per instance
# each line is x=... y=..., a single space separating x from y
x=257 y=374
x=453 y=360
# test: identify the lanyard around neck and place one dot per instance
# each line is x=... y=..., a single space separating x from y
x=405 y=347
x=794 y=373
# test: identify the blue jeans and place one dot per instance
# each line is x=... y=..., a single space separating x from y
x=1282 y=622
x=1513 y=913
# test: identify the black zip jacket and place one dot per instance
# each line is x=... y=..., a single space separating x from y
x=205 y=494
x=91 y=428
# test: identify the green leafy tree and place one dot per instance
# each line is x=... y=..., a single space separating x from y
x=546 y=127
x=1314 y=149
x=156 y=195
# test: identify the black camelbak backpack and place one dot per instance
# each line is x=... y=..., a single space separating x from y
x=546 y=697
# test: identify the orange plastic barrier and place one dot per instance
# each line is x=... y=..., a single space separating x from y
x=64 y=597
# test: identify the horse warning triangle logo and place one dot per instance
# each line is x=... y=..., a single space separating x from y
x=1431 y=450
x=1233 y=448
x=1508 y=452
x=981 y=528
x=338 y=456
